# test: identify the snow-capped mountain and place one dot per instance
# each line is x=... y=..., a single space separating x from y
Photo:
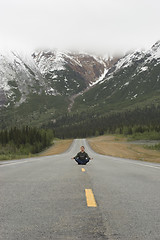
x=142 y=58
x=37 y=88
x=50 y=83
x=50 y=72
x=70 y=73
x=18 y=78
x=134 y=78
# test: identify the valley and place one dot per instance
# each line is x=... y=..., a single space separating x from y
x=74 y=92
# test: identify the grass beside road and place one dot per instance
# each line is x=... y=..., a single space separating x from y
x=14 y=156
x=118 y=146
x=59 y=146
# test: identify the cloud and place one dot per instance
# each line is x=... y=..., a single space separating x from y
x=94 y=25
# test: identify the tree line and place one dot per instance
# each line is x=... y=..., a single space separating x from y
x=93 y=124
x=25 y=140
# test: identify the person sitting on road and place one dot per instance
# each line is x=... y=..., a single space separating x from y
x=82 y=157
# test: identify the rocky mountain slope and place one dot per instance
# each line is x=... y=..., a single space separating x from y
x=71 y=73
x=54 y=73
x=43 y=87
x=46 y=82
x=133 y=80
x=18 y=78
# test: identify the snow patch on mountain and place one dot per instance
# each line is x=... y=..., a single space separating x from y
x=142 y=58
x=100 y=78
x=128 y=60
x=51 y=91
x=143 y=69
x=126 y=84
x=18 y=77
x=49 y=61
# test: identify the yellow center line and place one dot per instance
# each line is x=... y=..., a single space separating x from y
x=83 y=170
x=90 y=198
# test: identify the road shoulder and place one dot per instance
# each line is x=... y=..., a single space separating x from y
x=119 y=147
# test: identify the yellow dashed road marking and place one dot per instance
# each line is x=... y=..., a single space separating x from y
x=90 y=198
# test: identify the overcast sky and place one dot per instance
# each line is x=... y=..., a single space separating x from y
x=102 y=26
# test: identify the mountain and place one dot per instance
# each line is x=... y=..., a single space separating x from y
x=70 y=73
x=55 y=73
x=37 y=88
x=54 y=88
x=18 y=78
x=127 y=99
x=134 y=80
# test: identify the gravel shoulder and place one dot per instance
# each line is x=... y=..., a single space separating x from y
x=119 y=147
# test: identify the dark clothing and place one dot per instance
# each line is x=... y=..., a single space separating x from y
x=82 y=158
x=82 y=162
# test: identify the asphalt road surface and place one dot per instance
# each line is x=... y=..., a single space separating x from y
x=46 y=198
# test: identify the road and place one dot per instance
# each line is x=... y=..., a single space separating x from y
x=45 y=198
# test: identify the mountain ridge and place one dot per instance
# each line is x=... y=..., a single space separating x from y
x=47 y=71
x=43 y=85
x=133 y=77
x=54 y=82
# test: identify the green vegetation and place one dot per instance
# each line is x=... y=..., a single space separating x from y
x=147 y=135
x=127 y=89
x=154 y=147
x=34 y=112
x=138 y=122
x=127 y=95
x=17 y=143
x=67 y=82
x=127 y=103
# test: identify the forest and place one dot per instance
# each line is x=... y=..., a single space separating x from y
x=137 y=124
x=91 y=124
x=24 y=141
